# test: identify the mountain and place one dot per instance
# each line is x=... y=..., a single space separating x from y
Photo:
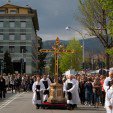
x=49 y=43
x=92 y=45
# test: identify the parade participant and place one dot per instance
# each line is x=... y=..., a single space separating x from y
x=46 y=82
x=2 y=87
x=37 y=89
x=71 y=89
x=106 y=84
x=77 y=89
x=109 y=99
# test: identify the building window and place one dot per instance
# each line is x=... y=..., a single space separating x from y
x=1 y=30
x=12 y=24
x=1 y=24
x=23 y=37
x=2 y=11
x=1 y=49
x=13 y=11
x=11 y=37
x=23 y=24
x=1 y=37
x=22 y=49
x=12 y=30
x=22 y=30
x=11 y=49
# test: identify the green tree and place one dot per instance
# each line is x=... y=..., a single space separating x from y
x=108 y=5
x=95 y=18
x=41 y=63
x=52 y=66
x=41 y=56
x=110 y=51
x=71 y=60
x=8 y=65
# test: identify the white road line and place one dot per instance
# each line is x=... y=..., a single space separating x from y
x=6 y=101
x=9 y=101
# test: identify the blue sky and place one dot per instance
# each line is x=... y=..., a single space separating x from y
x=54 y=16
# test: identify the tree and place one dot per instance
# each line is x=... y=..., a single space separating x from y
x=8 y=65
x=71 y=60
x=41 y=63
x=110 y=51
x=108 y=5
x=52 y=66
x=41 y=56
x=95 y=18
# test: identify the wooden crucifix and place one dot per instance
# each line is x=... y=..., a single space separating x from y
x=57 y=49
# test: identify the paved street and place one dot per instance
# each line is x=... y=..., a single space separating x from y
x=21 y=103
x=9 y=95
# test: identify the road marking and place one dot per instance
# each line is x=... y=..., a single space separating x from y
x=11 y=100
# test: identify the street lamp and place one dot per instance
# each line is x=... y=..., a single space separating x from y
x=83 y=41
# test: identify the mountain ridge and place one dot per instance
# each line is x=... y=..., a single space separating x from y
x=91 y=45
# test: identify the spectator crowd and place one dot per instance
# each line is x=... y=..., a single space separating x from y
x=15 y=83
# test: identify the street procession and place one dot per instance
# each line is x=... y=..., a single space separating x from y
x=56 y=56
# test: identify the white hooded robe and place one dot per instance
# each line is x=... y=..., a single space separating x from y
x=74 y=91
x=45 y=96
x=34 y=89
x=109 y=100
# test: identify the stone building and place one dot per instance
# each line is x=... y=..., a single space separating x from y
x=18 y=32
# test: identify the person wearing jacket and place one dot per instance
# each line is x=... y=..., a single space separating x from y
x=2 y=87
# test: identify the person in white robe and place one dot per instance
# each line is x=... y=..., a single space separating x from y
x=77 y=90
x=106 y=84
x=37 y=89
x=71 y=90
x=109 y=99
x=46 y=82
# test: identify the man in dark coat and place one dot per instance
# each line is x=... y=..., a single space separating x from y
x=2 y=87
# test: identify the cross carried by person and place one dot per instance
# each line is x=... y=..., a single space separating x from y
x=56 y=89
x=57 y=49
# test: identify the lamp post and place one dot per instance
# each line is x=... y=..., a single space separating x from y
x=83 y=42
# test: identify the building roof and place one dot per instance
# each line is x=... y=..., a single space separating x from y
x=12 y=5
x=30 y=10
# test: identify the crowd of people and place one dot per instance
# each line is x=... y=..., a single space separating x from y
x=15 y=83
x=91 y=90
